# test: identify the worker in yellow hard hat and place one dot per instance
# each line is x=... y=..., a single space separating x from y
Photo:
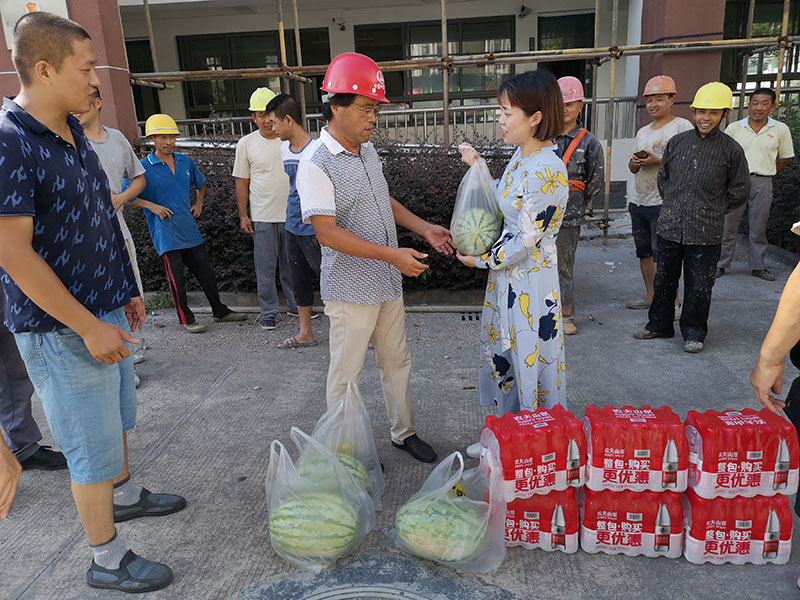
x=171 y=218
x=703 y=176
x=262 y=193
x=658 y=97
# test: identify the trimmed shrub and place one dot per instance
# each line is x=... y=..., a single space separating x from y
x=424 y=179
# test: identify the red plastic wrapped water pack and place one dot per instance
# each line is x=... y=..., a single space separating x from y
x=635 y=449
x=548 y=522
x=742 y=453
x=738 y=530
x=632 y=523
x=540 y=451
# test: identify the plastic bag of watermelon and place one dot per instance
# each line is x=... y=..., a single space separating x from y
x=477 y=221
x=458 y=517
x=316 y=519
x=346 y=431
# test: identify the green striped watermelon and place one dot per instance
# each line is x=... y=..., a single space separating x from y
x=445 y=529
x=315 y=467
x=315 y=525
x=475 y=230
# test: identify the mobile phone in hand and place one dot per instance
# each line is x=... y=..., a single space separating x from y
x=641 y=154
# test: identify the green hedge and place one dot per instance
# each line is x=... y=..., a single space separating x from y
x=423 y=179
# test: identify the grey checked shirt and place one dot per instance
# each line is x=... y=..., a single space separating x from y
x=352 y=188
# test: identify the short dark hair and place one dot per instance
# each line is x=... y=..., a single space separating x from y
x=537 y=91
x=43 y=36
x=284 y=105
x=763 y=91
x=343 y=100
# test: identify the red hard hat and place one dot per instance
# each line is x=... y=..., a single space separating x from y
x=571 y=89
x=353 y=73
x=660 y=84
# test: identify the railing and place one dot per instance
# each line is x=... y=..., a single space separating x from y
x=420 y=125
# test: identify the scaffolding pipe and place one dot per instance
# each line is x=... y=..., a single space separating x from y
x=595 y=67
x=282 y=41
x=299 y=59
x=445 y=79
x=150 y=35
x=782 y=51
x=747 y=54
x=477 y=60
x=610 y=122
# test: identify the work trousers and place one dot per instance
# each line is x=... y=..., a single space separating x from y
x=199 y=264
x=757 y=216
x=699 y=263
x=16 y=390
x=566 y=244
x=269 y=255
x=352 y=327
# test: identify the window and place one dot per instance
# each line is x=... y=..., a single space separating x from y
x=468 y=85
x=140 y=60
x=568 y=31
x=763 y=67
x=243 y=51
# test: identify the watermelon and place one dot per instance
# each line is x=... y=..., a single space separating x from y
x=315 y=467
x=444 y=529
x=316 y=525
x=475 y=230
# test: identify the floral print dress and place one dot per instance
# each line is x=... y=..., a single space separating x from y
x=522 y=346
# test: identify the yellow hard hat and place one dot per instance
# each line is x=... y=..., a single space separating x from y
x=161 y=125
x=260 y=98
x=714 y=95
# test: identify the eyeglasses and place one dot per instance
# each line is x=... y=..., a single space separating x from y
x=368 y=110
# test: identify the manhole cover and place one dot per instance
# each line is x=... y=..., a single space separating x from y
x=366 y=592
x=377 y=576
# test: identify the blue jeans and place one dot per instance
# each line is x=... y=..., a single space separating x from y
x=87 y=404
x=269 y=249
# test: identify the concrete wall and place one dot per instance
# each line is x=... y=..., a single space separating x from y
x=194 y=17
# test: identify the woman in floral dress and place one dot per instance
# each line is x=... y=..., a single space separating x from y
x=522 y=346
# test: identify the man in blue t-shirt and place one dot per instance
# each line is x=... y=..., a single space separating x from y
x=302 y=248
x=170 y=178
x=70 y=292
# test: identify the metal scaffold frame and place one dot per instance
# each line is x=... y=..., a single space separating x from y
x=447 y=63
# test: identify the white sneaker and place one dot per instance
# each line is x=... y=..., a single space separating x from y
x=474 y=450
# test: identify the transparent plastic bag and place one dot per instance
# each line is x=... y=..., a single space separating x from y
x=314 y=520
x=346 y=431
x=477 y=221
x=458 y=517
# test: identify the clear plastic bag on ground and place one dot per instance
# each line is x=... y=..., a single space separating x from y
x=316 y=519
x=477 y=221
x=346 y=431
x=458 y=517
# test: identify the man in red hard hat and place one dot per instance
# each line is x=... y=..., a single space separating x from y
x=344 y=195
x=583 y=156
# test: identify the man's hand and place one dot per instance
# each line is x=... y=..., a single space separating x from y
x=197 y=208
x=245 y=224
x=135 y=313
x=468 y=261
x=766 y=378
x=634 y=164
x=106 y=342
x=10 y=470
x=162 y=212
x=439 y=238
x=651 y=161
x=405 y=261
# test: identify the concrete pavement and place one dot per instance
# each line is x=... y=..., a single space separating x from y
x=210 y=404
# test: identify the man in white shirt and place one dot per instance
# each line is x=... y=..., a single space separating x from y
x=768 y=147
x=659 y=96
x=344 y=195
x=262 y=184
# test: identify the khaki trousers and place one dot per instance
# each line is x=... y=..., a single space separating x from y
x=352 y=327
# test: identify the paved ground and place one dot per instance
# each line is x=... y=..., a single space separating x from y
x=209 y=406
